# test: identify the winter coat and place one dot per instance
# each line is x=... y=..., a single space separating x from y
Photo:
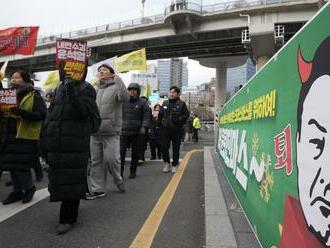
x=196 y=123
x=136 y=114
x=110 y=96
x=66 y=140
x=17 y=153
x=174 y=114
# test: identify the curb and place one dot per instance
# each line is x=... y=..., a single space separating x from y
x=218 y=227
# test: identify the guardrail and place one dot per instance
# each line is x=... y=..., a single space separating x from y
x=191 y=6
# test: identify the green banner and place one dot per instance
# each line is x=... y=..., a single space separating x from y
x=274 y=142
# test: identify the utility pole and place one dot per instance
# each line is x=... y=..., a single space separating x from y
x=142 y=11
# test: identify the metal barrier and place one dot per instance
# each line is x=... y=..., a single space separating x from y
x=190 y=6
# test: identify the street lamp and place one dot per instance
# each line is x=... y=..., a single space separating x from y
x=142 y=12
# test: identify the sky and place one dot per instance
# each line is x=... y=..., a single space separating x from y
x=54 y=17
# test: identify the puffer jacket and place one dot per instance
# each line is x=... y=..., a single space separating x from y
x=111 y=94
x=136 y=114
x=66 y=138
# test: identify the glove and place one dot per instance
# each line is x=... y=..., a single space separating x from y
x=142 y=131
x=69 y=87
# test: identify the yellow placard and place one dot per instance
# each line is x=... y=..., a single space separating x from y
x=52 y=81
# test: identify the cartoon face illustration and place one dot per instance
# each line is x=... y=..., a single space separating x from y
x=313 y=142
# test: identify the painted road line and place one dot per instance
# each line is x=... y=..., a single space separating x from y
x=149 y=229
x=7 y=211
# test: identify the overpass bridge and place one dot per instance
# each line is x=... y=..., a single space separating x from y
x=220 y=36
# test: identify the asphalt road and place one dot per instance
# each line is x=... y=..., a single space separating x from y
x=114 y=221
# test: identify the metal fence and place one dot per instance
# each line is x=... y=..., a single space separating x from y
x=190 y=6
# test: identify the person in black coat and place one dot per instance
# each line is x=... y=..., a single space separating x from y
x=21 y=131
x=66 y=141
x=155 y=133
x=136 y=120
x=173 y=115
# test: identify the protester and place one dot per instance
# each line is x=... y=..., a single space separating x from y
x=155 y=133
x=105 y=144
x=136 y=120
x=144 y=138
x=189 y=126
x=19 y=148
x=196 y=127
x=173 y=115
x=67 y=133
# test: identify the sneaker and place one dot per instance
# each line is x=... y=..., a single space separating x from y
x=28 y=194
x=121 y=188
x=167 y=167
x=63 y=228
x=173 y=169
x=94 y=195
x=13 y=197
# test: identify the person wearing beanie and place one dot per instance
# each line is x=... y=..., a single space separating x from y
x=136 y=120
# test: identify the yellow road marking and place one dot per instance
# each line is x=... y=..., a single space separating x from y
x=149 y=229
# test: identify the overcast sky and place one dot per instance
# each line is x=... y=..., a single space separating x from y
x=60 y=16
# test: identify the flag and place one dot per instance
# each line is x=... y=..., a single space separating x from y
x=136 y=60
x=52 y=81
x=3 y=70
x=18 y=40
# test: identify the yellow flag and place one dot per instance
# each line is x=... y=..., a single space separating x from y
x=52 y=81
x=3 y=70
x=136 y=60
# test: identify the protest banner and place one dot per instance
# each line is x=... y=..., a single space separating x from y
x=18 y=40
x=273 y=142
x=136 y=60
x=8 y=100
x=73 y=54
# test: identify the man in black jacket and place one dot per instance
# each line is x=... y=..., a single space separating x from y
x=173 y=115
x=136 y=119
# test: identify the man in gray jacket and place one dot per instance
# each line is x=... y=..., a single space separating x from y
x=105 y=144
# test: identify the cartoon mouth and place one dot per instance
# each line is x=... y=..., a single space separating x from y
x=325 y=210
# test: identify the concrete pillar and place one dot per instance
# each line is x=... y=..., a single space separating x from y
x=261 y=61
x=221 y=87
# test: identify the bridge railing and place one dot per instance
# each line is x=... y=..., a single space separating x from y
x=191 y=6
x=99 y=29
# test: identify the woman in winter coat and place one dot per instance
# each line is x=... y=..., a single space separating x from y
x=20 y=136
x=66 y=140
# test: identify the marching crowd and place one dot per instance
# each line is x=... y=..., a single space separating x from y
x=82 y=132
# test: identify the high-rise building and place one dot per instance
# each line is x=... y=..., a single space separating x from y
x=185 y=74
x=171 y=72
x=238 y=76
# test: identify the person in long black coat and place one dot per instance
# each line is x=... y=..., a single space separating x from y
x=66 y=140
x=20 y=132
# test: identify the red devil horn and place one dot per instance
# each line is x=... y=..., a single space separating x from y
x=304 y=67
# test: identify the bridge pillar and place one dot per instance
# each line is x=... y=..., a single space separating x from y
x=221 y=86
x=261 y=61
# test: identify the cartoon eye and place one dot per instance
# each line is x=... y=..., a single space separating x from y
x=319 y=145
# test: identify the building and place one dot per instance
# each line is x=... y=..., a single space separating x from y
x=201 y=99
x=185 y=75
x=171 y=72
x=238 y=76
